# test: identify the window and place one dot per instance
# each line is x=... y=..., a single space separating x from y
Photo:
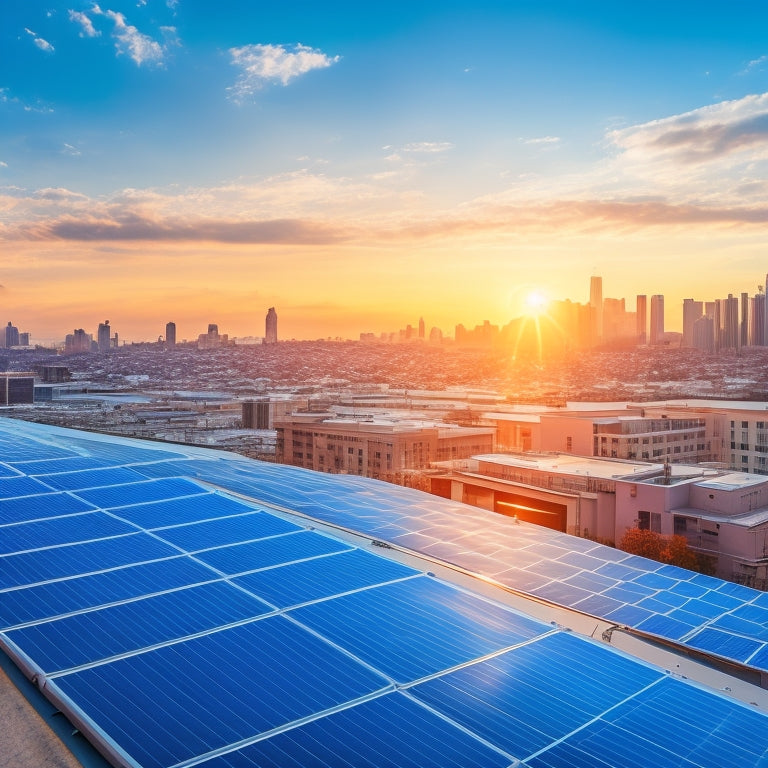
x=569 y=443
x=681 y=525
x=644 y=520
x=656 y=522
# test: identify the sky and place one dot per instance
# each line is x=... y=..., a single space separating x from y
x=361 y=165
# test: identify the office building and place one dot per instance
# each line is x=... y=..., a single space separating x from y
x=757 y=321
x=78 y=342
x=270 y=327
x=170 y=335
x=11 y=335
x=596 y=305
x=103 y=339
x=383 y=447
x=641 y=316
x=692 y=311
x=657 y=319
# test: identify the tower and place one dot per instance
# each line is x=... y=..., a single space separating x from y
x=657 y=319
x=102 y=337
x=641 y=313
x=170 y=334
x=692 y=311
x=270 y=329
x=596 y=303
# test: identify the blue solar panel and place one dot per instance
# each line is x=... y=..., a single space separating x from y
x=322 y=577
x=422 y=626
x=96 y=635
x=725 y=644
x=35 y=507
x=91 y=478
x=529 y=697
x=203 y=506
x=194 y=696
x=11 y=487
x=43 y=601
x=690 y=728
x=30 y=568
x=60 y=530
x=66 y=464
x=137 y=493
x=226 y=530
x=240 y=558
x=389 y=732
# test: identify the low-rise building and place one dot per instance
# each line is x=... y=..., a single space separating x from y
x=373 y=447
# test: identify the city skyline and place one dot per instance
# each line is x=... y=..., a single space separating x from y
x=355 y=169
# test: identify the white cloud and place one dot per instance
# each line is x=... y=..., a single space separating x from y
x=88 y=30
x=42 y=44
x=262 y=64
x=755 y=64
x=3 y=164
x=542 y=140
x=703 y=135
x=71 y=150
x=428 y=147
x=141 y=48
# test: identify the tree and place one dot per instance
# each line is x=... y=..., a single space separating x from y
x=673 y=550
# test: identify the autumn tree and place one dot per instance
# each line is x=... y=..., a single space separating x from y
x=673 y=550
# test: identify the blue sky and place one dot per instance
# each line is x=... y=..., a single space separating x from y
x=360 y=165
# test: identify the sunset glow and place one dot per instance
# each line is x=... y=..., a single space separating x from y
x=359 y=171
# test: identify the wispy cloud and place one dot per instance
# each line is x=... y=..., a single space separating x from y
x=6 y=97
x=542 y=140
x=756 y=65
x=428 y=147
x=87 y=28
x=42 y=44
x=139 y=47
x=263 y=64
x=72 y=151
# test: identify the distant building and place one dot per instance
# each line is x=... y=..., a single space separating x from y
x=103 y=339
x=212 y=339
x=256 y=414
x=270 y=329
x=692 y=311
x=77 y=343
x=383 y=447
x=422 y=328
x=11 y=335
x=641 y=317
x=24 y=339
x=170 y=334
x=17 y=388
x=657 y=319
x=596 y=304
x=55 y=374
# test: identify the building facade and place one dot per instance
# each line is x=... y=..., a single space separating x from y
x=270 y=327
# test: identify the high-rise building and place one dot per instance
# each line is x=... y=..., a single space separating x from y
x=78 y=342
x=170 y=334
x=270 y=327
x=692 y=311
x=422 y=328
x=641 y=312
x=729 y=322
x=102 y=337
x=657 y=319
x=744 y=321
x=757 y=320
x=11 y=335
x=596 y=303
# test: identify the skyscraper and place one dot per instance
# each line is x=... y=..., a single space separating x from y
x=692 y=311
x=102 y=337
x=641 y=312
x=422 y=328
x=657 y=319
x=596 y=303
x=270 y=331
x=170 y=334
x=11 y=335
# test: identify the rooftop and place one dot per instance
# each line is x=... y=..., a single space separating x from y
x=392 y=627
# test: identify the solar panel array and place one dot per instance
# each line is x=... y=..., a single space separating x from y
x=182 y=626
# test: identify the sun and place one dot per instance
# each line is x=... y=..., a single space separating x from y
x=535 y=304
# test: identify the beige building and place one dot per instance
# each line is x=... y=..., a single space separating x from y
x=374 y=447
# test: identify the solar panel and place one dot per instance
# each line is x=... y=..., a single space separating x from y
x=277 y=645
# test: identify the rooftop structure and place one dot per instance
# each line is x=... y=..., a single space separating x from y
x=189 y=607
